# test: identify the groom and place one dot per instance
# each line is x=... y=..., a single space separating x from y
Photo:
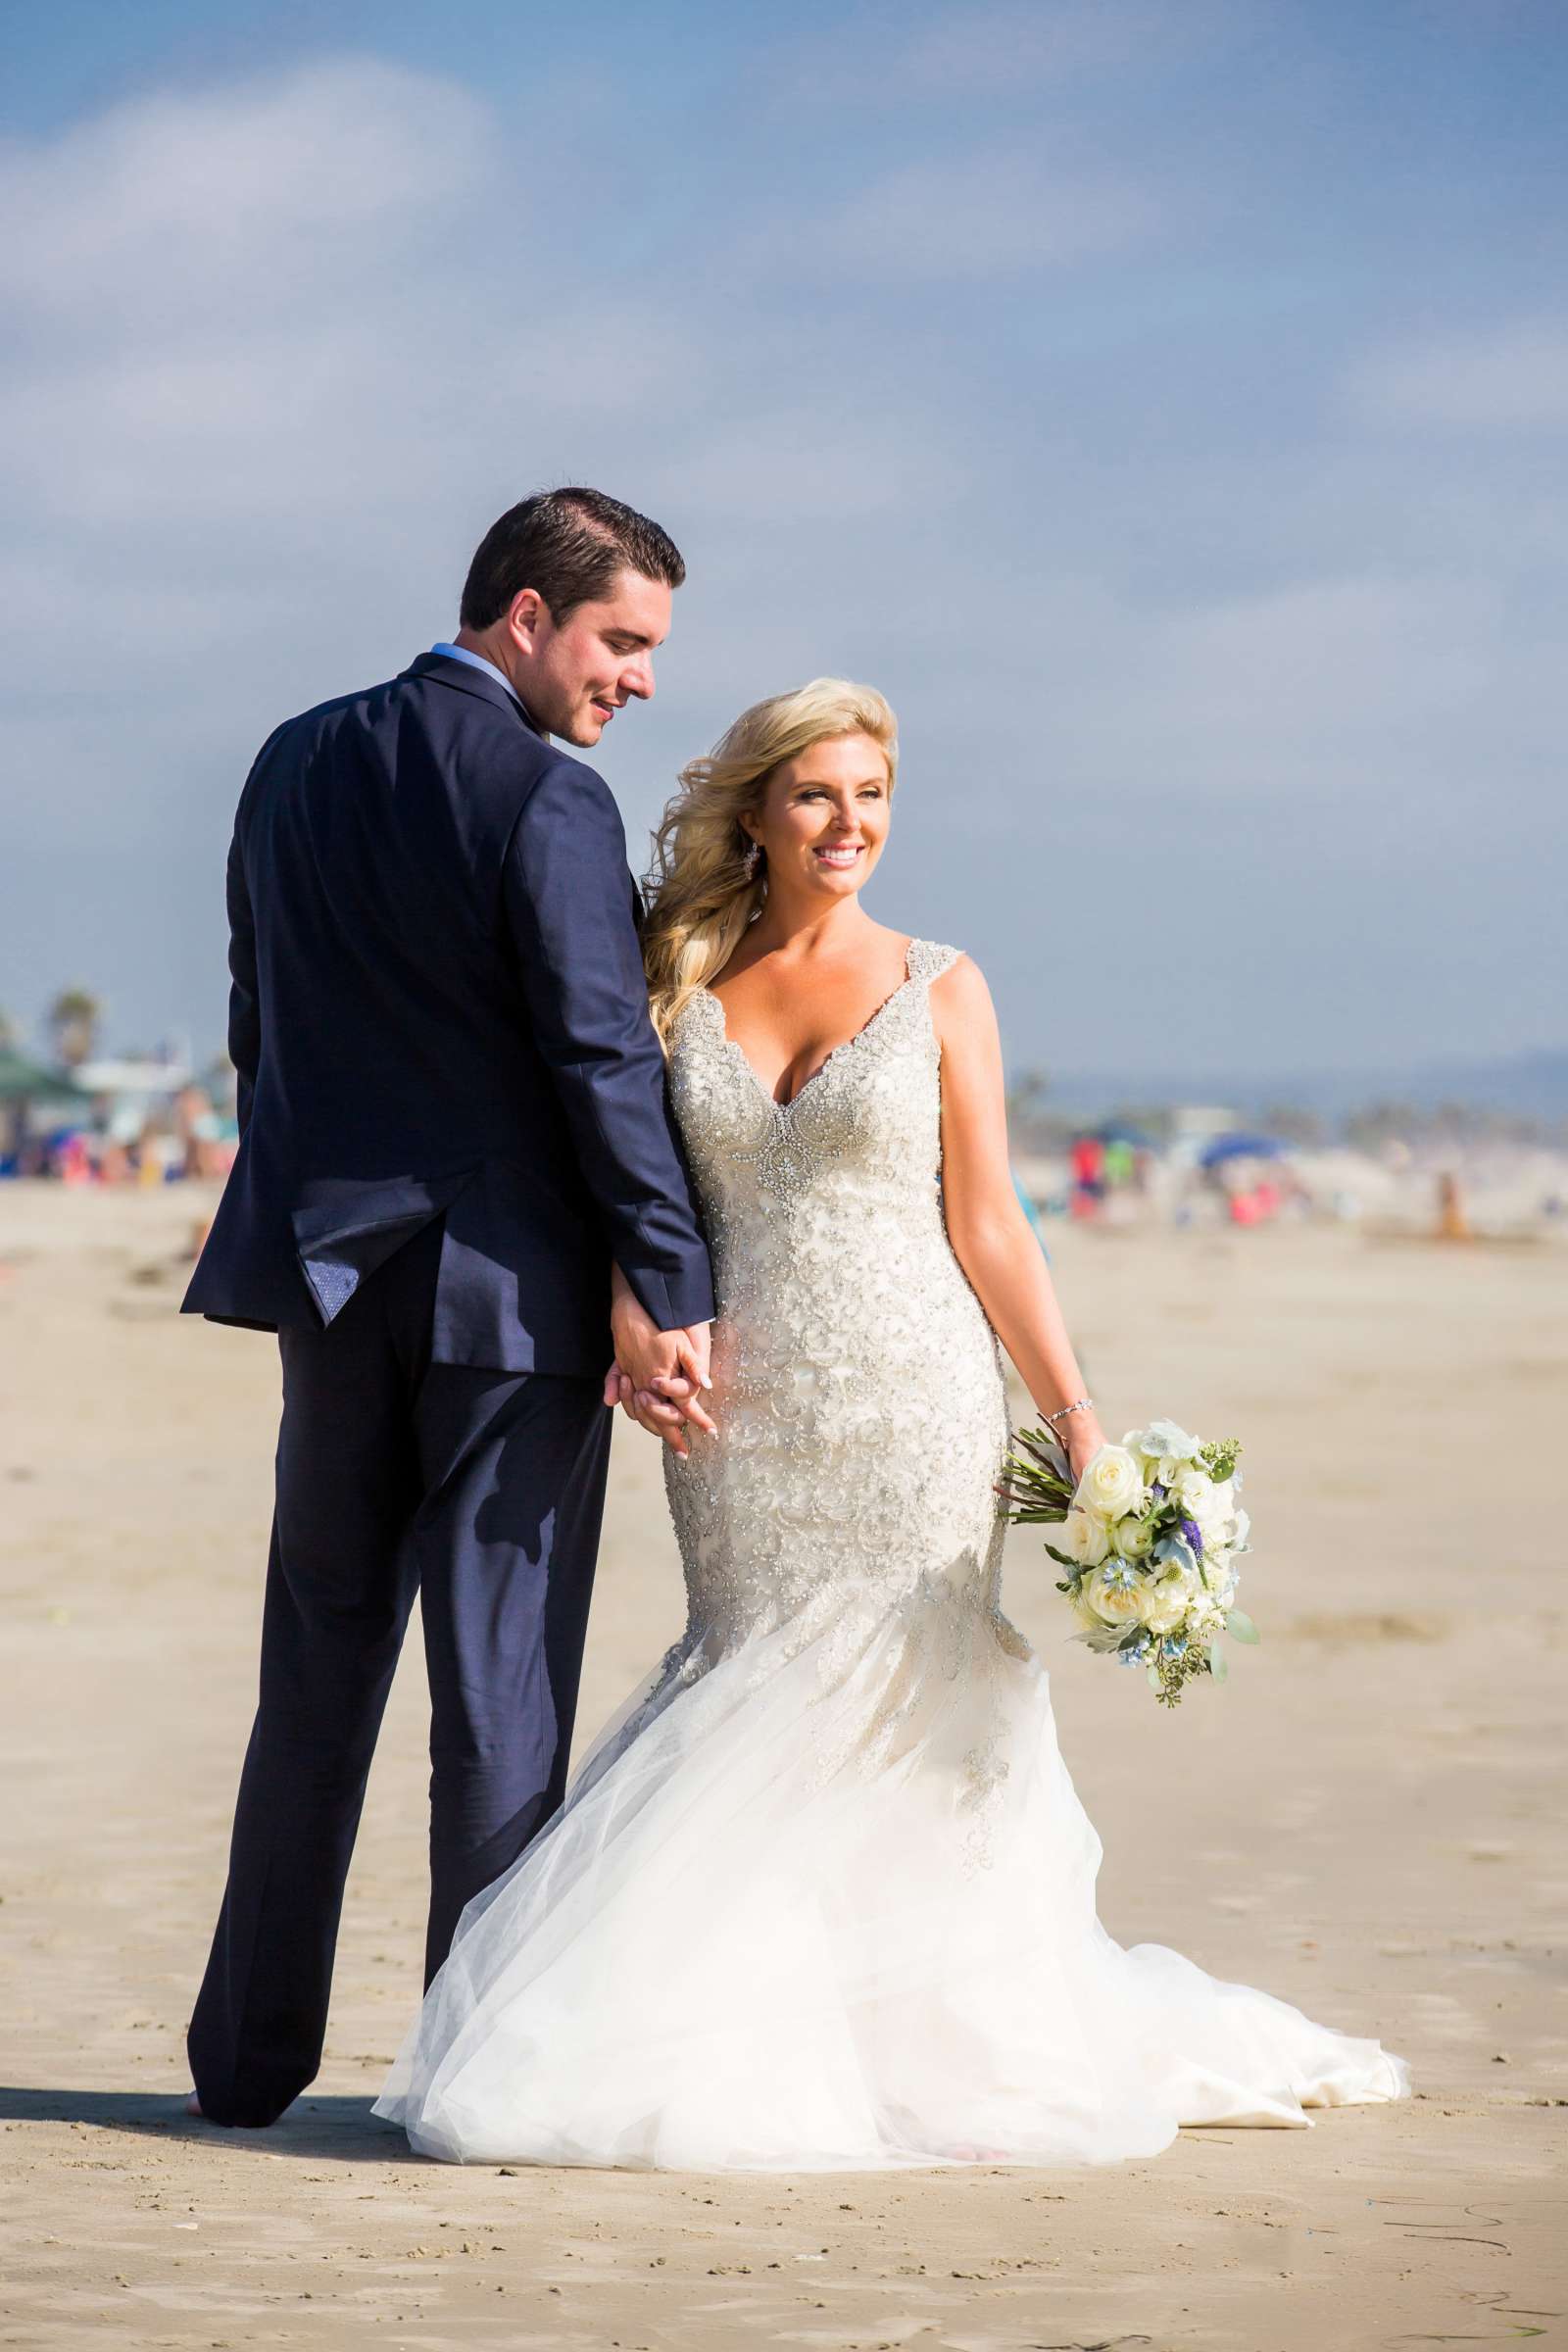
x=453 y=1121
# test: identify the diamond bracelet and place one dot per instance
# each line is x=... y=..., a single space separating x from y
x=1083 y=1404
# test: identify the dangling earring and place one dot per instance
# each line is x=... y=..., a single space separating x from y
x=749 y=861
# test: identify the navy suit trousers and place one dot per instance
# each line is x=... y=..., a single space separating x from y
x=480 y=1490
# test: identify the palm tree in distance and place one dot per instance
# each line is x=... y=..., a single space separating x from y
x=74 y=1019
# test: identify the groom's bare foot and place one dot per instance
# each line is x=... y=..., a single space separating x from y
x=193 y=2105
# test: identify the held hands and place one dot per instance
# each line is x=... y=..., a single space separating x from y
x=658 y=1376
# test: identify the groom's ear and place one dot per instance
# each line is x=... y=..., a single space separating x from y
x=528 y=609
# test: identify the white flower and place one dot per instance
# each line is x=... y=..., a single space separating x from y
x=1216 y=1534
x=1195 y=1491
x=1084 y=1539
x=1215 y=1567
x=1219 y=1523
x=1116 y=1594
x=1133 y=1538
x=1166 y=1603
x=1089 y=1618
x=1111 y=1484
x=1164 y=1442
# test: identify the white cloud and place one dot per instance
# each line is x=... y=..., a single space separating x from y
x=791 y=466
x=279 y=353
x=989 y=50
x=1366 y=691
x=1316 y=684
x=978 y=217
x=239 y=205
x=1050 y=42
x=263 y=331
x=207 y=300
x=1507 y=378
x=273 y=375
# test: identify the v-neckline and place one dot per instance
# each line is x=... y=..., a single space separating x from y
x=833 y=1052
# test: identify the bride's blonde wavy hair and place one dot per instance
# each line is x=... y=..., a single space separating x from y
x=700 y=894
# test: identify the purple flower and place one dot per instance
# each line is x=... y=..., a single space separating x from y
x=1195 y=1535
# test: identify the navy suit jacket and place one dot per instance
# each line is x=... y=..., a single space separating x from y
x=439 y=1010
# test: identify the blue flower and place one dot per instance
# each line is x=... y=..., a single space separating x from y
x=1193 y=1534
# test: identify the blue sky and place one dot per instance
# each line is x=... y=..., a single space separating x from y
x=1165 y=405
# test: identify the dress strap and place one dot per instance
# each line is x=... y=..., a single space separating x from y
x=928 y=961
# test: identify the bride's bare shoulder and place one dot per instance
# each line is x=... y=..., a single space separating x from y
x=960 y=1000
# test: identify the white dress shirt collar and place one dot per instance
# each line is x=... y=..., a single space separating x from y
x=461 y=653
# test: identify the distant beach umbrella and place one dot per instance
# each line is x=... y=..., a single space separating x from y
x=22 y=1079
x=1240 y=1147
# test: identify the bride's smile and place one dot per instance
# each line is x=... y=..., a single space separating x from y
x=823 y=819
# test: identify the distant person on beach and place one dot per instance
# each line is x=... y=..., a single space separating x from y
x=456 y=1138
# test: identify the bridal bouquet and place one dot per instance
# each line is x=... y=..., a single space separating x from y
x=1149 y=1536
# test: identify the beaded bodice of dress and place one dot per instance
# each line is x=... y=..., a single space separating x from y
x=857 y=1384
x=859 y=1143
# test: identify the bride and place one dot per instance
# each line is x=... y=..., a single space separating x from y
x=822 y=1896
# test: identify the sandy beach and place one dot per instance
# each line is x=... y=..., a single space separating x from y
x=1366 y=1821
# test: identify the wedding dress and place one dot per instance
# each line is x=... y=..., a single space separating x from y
x=822 y=1897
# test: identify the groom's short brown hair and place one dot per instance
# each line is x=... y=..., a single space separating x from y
x=567 y=546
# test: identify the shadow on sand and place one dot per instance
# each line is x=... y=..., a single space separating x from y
x=337 y=2127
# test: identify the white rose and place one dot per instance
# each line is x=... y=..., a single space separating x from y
x=1084 y=1539
x=1089 y=1618
x=1220 y=1585
x=1116 y=1594
x=1221 y=1515
x=1215 y=1528
x=1112 y=1483
x=1166 y=1603
x=1195 y=1491
x=1133 y=1538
